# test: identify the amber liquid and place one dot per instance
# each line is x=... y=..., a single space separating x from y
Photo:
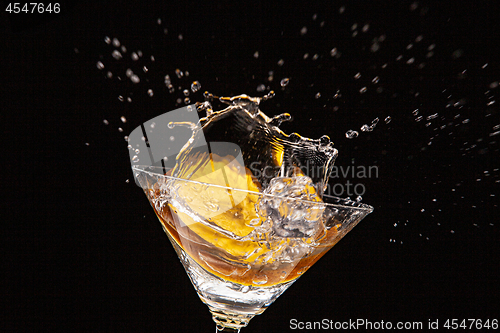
x=211 y=258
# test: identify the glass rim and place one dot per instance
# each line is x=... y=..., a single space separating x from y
x=342 y=202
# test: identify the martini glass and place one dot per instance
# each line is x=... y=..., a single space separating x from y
x=236 y=258
x=234 y=196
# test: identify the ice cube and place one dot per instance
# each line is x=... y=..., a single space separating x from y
x=293 y=207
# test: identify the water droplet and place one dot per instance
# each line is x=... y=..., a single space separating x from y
x=261 y=87
x=124 y=49
x=135 y=159
x=187 y=100
x=100 y=65
x=365 y=128
x=350 y=134
x=179 y=73
x=135 y=79
x=150 y=92
x=388 y=119
x=123 y=119
x=120 y=129
x=144 y=69
x=116 y=42
x=333 y=52
x=256 y=54
x=375 y=80
x=195 y=86
x=303 y=31
x=116 y=54
x=284 y=82
x=281 y=62
x=134 y=56
x=181 y=37
x=107 y=40
x=105 y=122
x=359 y=198
x=357 y=76
x=185 y=92
x=318 y=95
x=109 y=75
x=172 y=138
x=363 y=90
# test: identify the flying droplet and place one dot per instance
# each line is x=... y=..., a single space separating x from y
x=116 y=54
x=150 y=92
x=318 y=95
x=284 y=82
x=107 y=40
x=195 y=86
x=105 y=122
x=100 y=65
x=388 y=119
x=363 y=90
x=135 y=79
x=135 y=159
x=350 y=134
x=123 y=119
x=116 y=42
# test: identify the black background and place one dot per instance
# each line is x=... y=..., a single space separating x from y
x=82 y=250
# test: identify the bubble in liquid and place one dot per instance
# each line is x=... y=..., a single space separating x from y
x=100 y=65
x=284 y=82
x=116 y=54
x=150 y=92
x=195 y=86
x=350 y=134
